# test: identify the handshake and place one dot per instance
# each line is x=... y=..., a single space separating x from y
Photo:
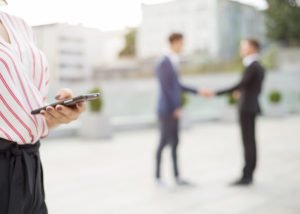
x=207 y=93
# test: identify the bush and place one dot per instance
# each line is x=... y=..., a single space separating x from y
x=231 y=100
x=184 y=99
x=275 y=96
x=96 y=105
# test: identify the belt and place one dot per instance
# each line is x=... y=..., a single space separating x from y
x=21 y=178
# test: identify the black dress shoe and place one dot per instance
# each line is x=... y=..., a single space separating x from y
x=242 y=182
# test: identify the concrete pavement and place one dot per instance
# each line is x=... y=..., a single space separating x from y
x=116 y=176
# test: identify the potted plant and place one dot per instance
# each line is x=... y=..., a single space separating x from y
x=184 y=100
x=95 y=106
x=95 y=124
x=231 y=100
x=275 y=99
x=230 y=112
x=185 y=120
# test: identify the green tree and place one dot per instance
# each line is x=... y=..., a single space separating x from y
x=283 y=17
x=129 y=48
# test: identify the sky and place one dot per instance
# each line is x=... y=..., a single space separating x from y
x=105 y=15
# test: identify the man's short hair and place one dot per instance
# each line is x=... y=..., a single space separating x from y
x=254 y=43
x=175 y=37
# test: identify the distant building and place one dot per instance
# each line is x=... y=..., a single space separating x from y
x=212 y=28
x=74 y=51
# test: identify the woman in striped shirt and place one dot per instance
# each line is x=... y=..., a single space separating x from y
x=23 y=88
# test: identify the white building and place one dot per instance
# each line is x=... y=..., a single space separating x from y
x=73 y=51
x=212 y=28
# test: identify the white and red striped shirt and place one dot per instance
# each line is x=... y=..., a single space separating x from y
x=23 y=83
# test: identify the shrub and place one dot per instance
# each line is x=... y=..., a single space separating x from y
x=231 y=100
x=96 y=105
x=275 y=96
x=184 y=99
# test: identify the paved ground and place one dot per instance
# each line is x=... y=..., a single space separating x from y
x=115 y=177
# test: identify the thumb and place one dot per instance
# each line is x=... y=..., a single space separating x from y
x=64 y=93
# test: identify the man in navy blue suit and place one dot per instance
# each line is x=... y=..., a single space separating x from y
x=169 y=105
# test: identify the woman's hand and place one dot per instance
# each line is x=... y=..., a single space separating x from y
x=62 y=114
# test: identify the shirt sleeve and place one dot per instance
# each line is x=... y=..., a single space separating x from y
x=188 y=89
x=247 y=79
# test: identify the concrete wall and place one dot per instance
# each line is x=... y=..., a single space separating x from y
x=139 y=98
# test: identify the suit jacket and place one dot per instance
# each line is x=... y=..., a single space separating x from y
x=250 y=87
x=170 y=89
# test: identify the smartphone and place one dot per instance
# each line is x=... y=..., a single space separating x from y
x=70 y=102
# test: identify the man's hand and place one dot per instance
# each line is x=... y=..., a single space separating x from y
x=177 y=113
x=236 y=94
x=62 y=114
x=207 y=93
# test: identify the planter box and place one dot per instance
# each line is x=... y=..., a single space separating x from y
x=185 y=121
x=276 y=110
x=95 y=126
x=230 y=113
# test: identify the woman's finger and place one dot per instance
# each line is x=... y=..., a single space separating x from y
x=56 y=115
x=50 y=119
x=69 y=113
x=64 y=93
x=80 y=107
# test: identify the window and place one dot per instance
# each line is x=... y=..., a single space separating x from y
x=66 y=65
x=71 y=52
x=70 y=39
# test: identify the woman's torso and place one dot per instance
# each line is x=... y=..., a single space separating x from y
x=23 y=83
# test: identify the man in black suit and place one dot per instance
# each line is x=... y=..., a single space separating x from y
x=249 y=89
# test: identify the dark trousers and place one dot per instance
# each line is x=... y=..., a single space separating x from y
x=21 y=179
x=169 y=135
x=247 y=123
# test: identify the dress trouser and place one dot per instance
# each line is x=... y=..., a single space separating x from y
x=247 y=123
x=21 y=179
x=169 y=134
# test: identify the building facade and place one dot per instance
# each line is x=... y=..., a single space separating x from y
x=212 y=29
x=73 y=51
